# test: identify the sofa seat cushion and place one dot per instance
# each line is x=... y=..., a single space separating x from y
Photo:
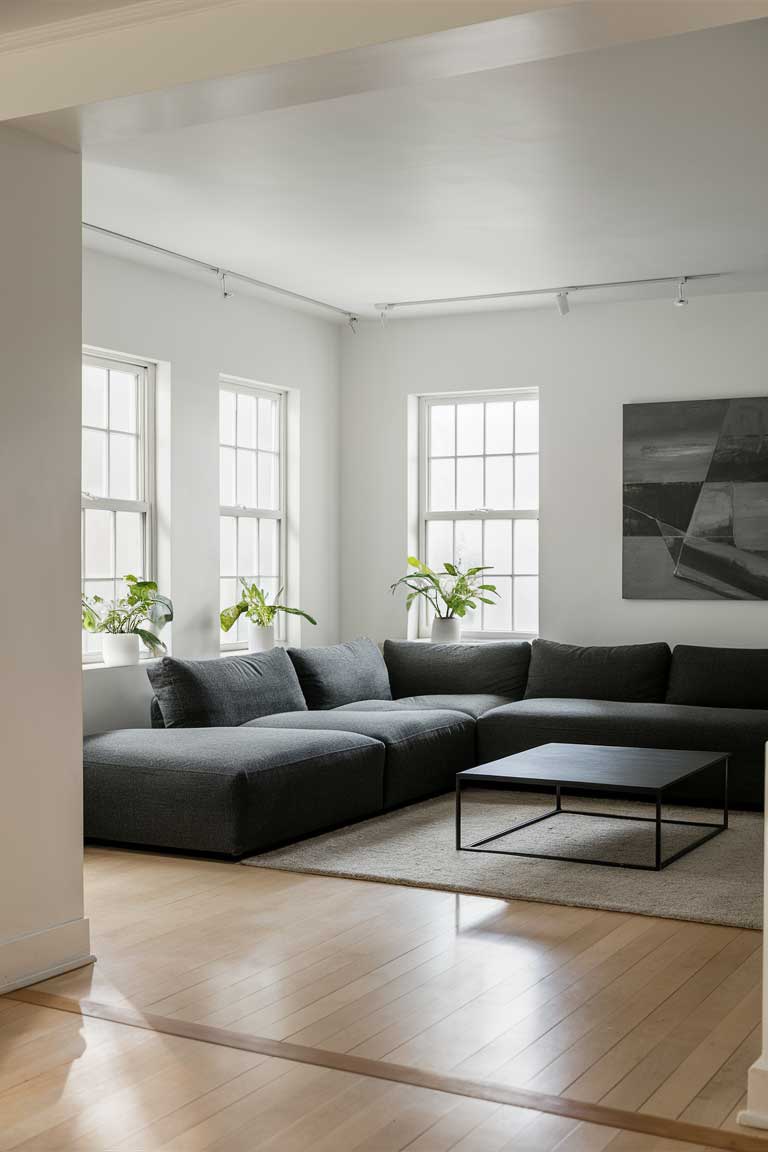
x=424 y=749
x=719 y=677
x=473 y=704
x=224 y=692
x=495 y=668
x=341 y=673
x=227 y=790
x=740 y=731
x=634 y=672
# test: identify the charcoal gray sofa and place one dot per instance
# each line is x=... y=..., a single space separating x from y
x=252 y=751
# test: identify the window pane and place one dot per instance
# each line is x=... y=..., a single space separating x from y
x=268 y=431
x=228 y=546
x=499 y=426
x=246 y=478
x=94 y=462
x=527 y=426
x=442 y=480
x=98 y=543
x=526 y=604
x=123 y=393
x=248 y=546
x=94 y=396
x=526 y=482
x=129 y=544
x=498 y=482
x=439 y=543
x=469 y=482
x=526 y=547
x=227 y=417
x=469 y=429
x=469 y=544
x=103 y=588
x=268 y=495
x=123 y=481
x=441 y=435
x=498 y=547
x=269 y=586
x=227 y=477
x=246 y=420
x=497 y=617
x=268 y=548
x=228 y=595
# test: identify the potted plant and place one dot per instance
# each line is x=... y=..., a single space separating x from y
x=450 y=593
x=261 y=616
x=124 y=623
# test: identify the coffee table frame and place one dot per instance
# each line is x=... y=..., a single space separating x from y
x=655 y=794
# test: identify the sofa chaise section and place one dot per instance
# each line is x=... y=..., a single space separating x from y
x=228 y=791
x=424 y=749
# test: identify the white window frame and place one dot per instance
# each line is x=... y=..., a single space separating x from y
x=146 y=471
x=252 y=388
x=482 y=514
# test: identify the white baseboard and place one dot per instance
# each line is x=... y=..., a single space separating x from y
x=755 y=1115
x=41 y=955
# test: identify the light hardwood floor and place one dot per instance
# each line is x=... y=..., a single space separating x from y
x=652 y=1017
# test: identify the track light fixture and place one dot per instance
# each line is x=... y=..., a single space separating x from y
x=353 y=322
x=563 y=306
x=681 y=300
x=226 y=291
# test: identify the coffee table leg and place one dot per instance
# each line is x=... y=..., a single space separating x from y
x=458 y=813
x=725 y=793
x=658 y=831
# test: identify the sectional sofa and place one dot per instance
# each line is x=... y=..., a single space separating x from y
x=252 y=751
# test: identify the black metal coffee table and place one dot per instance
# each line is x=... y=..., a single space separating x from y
x=641 y=772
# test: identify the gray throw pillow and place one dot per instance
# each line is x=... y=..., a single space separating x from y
x=719 y=677
x=496 y=668
x=227 y=692
x=341 y=673
x=635 y=673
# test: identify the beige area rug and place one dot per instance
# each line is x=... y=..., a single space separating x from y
x=718 y=883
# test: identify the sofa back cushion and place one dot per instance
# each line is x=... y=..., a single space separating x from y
x=633 y=672
x=495 y=668
x=225 y=692
x=719 y=677
x=341 y=673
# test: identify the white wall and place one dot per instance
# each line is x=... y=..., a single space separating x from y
x=586 y=367
x=41 y=895
x=185 y=323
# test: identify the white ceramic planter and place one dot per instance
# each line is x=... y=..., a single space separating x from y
x=446 y=631
x=120 y=648
x=260 y=639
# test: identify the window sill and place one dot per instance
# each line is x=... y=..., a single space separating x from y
x=100 y=666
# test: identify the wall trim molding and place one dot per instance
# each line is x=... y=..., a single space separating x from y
x=112 y=20
x=40 y=955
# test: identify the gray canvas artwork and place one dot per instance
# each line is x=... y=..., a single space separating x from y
x=696 y=500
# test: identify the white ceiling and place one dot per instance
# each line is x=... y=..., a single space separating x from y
x=641 y=160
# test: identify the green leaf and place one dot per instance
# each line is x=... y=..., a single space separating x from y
x=152 y=642
x=295 y=612
x=450 y=569
x=230 y=616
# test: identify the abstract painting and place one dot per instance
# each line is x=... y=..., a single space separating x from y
x=696 y=500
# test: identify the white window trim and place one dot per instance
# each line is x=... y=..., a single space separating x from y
x=254 y=388
x=425 y=403
x=147 y=503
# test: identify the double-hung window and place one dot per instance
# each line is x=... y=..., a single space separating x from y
x=479 y=500
x=117 y=522
x=252 y=484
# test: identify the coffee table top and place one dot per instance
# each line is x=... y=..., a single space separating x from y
x=596 y=766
